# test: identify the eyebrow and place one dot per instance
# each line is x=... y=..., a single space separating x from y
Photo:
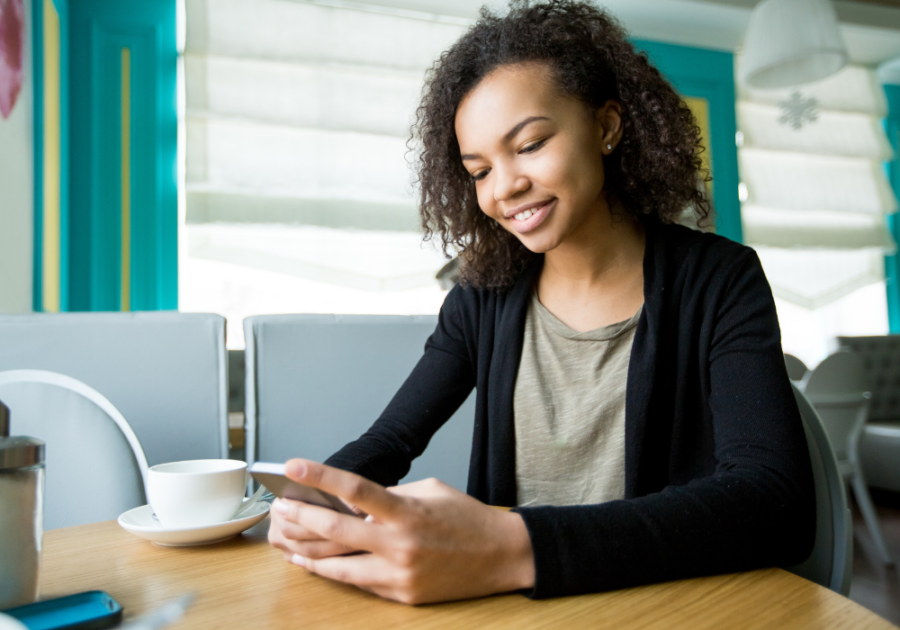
x=512 y=133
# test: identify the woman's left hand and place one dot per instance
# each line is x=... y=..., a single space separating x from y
x=427 y=542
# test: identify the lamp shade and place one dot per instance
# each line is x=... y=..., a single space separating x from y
x=790 y=42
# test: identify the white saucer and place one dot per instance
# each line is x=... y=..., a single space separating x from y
x=141 y=523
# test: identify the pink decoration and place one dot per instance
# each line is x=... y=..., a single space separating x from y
x=12 y=50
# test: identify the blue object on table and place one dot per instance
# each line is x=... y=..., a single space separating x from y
x=92 y=610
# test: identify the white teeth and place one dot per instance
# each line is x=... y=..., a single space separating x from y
x=525 y=214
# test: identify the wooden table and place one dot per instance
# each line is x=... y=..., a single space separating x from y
x=244 y=583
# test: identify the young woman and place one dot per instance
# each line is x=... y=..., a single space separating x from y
x=632 y=398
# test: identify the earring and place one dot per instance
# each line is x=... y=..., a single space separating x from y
x=609 y=147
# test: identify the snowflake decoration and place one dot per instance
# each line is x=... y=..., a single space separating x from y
x=796 y=110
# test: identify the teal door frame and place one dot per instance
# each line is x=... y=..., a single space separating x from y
x=892 y=262
x=37 y=56
x=124 y=99
x=709 y=74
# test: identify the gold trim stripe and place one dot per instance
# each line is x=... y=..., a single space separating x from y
x=126 y=181
x=700 y=109
x=50 y=237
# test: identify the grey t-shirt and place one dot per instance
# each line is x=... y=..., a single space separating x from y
x=569 y=407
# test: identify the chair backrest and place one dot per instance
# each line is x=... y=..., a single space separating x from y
x=316 y=382
x=840 y=373
x=166 y=371
x=95 y=466
x=831 y=561
x=796 y=368
x=881 y=360
x=838 y=389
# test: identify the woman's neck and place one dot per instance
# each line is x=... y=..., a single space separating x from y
x=596 y=278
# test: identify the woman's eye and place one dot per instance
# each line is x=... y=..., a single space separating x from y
x=480 y=174
x=531 y=148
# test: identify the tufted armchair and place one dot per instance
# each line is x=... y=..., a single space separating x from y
x=880 y=446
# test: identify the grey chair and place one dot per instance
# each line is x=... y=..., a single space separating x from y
x=831 y=561
x=796 y=368
x=316 y=382
x=95 y=466
x=839 y=391
x=165 y=371
x=879 y=449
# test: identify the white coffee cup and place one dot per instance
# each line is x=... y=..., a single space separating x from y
x=196 y=493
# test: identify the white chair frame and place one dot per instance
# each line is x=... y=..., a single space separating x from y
x=132 y=358
x=67 y=382
x=851 y=468
x=831 y=561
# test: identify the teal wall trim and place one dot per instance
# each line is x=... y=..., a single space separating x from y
x=892 y=263
x=709 y=74
x=37 y=49
x=37 y=62
x=99 y=30
x=62 y=7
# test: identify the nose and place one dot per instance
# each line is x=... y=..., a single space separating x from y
x=508 y=182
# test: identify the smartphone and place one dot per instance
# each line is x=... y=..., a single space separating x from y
x=92 y=610
x=272 y=477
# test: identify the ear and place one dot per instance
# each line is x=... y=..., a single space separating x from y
x=608 y=118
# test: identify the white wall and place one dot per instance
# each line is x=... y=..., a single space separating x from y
x=812 y=335
x=16 y=194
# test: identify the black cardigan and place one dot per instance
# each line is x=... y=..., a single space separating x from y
x=717 y=471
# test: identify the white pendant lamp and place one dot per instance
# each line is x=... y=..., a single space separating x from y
x=791 y=42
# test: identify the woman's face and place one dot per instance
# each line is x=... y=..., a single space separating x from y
x=536 y=155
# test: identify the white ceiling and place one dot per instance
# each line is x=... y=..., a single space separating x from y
x=871 y=31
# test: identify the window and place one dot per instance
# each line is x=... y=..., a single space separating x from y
x=815 y=200
x=299 y=197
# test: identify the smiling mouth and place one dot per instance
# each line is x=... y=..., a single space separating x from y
x=529 y=219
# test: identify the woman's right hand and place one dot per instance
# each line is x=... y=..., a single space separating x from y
x=293 y=538
x=426 y=542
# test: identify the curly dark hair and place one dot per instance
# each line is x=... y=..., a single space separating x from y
x=655 y=173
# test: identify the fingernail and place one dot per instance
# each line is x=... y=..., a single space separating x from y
x=299 y=560
x=297 y=469
x=280 y=507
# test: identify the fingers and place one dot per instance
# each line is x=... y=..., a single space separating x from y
x=362 y=493
x=322 y=549
x=312 y=549
x=370 y=573
x=423 y=489
x=312 y=521
x=293 y=538
x=294 y=531
x=365 y=571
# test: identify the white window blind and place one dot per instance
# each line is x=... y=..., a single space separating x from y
x=296 y=121
x=816 y=197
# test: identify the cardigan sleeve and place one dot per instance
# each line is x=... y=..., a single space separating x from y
x=756 y=509
x=438 y=385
